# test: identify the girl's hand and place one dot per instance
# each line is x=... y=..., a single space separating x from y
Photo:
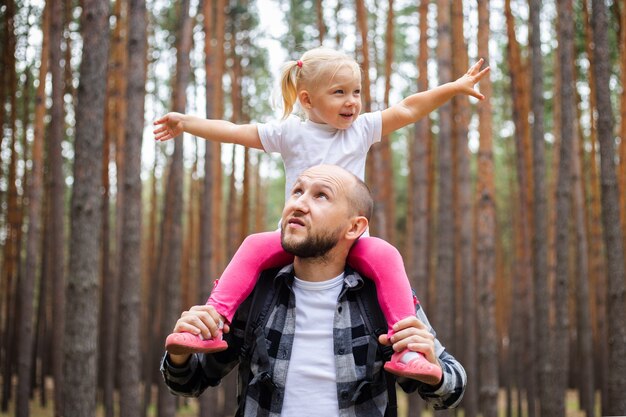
x=412 y=334
x=169 y=126
x=472 y=77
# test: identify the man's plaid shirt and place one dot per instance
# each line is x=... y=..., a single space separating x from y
x=358 y=395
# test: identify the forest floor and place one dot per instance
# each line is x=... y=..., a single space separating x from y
x=190 y=408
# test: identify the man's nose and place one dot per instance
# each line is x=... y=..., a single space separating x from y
x=301 y=203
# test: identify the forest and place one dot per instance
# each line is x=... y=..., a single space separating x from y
x=510 y=212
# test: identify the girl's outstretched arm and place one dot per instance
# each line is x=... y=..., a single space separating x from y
x=418 y=105
x=173 y=124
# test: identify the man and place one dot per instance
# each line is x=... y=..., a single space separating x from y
x=313 y=356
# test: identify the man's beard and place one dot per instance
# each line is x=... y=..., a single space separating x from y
x=313 y=246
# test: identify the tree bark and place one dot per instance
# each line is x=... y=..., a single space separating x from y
x=613 y=239
x=445 y=300
x=81 y=333
x=486 y=236
x=130 y=270
x=171 y=243
x=56 y=190
x=560 y=342
x=35 y=202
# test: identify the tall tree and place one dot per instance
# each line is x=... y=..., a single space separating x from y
x=584 y=356
x=171 y=241
x=486 y=235
x=420 y=177
x=613 y=239
x=12 y=223
x=539 y=239
x=35 y=202
x=560 y=341
x=130 y=268
x=463 y=221
x=445 y=299
x=622 y=154
x=55 y=251
x=81 y=333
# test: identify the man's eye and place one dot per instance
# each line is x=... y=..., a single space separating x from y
x=296 y=192
x=322 y=195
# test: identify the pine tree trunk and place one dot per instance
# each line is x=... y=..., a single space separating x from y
x=445 y=300
x=622 y=151
x=33 y=252
x=56 y=191
x=81 y=333
x=130 y=277
x=583 y=361
x=597 y=270
x=321 y=26
x=11 y=248
x=539 y=248
x=169 y=268
x=616 y=308
x=560 y=342
x=487 y=364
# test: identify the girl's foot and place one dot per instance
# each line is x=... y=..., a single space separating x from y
x=417 y=367
x=186 y=343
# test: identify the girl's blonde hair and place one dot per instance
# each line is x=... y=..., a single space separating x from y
x=317 y=66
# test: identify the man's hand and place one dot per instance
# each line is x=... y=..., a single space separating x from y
x=169 y=126
x=410 y=333
x=199 y=320
x=466 y=83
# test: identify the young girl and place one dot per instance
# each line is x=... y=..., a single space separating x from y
x=327 y=86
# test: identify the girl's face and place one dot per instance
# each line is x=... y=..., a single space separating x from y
x=337 y=103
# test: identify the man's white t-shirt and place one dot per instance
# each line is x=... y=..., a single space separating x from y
x=311 y=385
x=303 y=144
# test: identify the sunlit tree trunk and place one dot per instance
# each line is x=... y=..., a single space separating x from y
x=464 y=223
x=445 y=300
x=519 y=87
x=321 y=26
x=597 y=270
x=487 y=365
x=616 y=293
x=81 y=333
x=420 y=199
x=171 y=241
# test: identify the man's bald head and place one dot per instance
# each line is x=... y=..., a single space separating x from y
x=356 y=191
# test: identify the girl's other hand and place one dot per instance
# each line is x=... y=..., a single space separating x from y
x=169 y=126
x=472 y=77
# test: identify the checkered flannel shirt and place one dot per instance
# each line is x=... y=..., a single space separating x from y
x=357 y=395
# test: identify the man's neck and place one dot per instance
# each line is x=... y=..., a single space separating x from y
x=318 y=269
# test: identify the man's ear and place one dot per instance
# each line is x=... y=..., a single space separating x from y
x=358 y=226
x=305 y=99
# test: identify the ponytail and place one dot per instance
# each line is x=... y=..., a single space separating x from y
x=288 y=87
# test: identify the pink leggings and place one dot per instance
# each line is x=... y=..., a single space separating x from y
x=372 y=257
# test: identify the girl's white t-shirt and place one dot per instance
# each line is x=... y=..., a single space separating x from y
x=311 y=385
x=303 y=144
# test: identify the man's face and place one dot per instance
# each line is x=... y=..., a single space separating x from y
x=316 y=214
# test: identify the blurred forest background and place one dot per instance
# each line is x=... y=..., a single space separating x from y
x=510 y=213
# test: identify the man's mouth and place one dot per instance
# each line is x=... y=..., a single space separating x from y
x=296 y=222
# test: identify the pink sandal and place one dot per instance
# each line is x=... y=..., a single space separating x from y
x=418 y=368
x=186 y=343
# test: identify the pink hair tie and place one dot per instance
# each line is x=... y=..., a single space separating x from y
x=299 y=64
